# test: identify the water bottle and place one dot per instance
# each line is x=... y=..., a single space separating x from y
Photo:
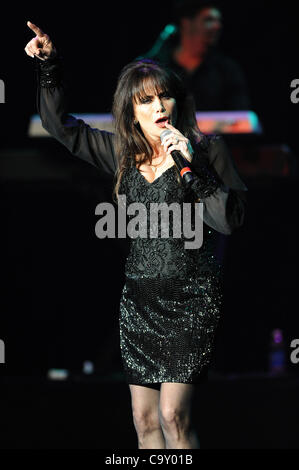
x=277 y=355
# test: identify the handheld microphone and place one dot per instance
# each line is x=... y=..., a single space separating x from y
x=181 y=162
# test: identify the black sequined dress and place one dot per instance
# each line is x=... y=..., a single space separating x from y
x=171 y=300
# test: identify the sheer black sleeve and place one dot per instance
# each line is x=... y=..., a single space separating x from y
x=218 y=185
x=92 y=145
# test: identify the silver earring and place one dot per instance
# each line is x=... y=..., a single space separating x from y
x=135 y=122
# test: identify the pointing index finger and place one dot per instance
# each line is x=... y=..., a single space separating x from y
x=36 y=29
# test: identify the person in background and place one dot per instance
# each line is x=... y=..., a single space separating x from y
x=189 y=48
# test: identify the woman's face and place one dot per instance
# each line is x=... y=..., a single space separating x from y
x=152 y=111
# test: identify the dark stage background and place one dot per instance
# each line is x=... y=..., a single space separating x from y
x=61 y=285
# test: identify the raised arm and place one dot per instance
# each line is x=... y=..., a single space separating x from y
x=92 y=145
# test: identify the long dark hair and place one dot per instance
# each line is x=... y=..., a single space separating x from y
x=130 y=140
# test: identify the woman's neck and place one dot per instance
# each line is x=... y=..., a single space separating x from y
x=158 y=156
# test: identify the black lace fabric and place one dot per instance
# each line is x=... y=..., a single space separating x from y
x=171 y=302
x=157 y=257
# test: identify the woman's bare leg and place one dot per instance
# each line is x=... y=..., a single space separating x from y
x=145 y=409
x=175 y=409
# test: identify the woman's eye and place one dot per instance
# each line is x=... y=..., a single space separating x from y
x=166 y=96
x=149 y=99
x=145 y=100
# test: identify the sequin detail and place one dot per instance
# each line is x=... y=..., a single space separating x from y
x=170 y=303
x=167 y=328
x=49 y=72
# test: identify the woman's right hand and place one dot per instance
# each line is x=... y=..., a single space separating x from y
x=41 y=46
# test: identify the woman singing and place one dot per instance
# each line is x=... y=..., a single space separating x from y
x=171 y=299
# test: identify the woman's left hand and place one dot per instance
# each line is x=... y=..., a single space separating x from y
x=177 y=141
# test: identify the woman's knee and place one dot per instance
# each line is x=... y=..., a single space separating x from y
x=172 y=418
x=145 y=408
x=146 y=420
x=175 y=406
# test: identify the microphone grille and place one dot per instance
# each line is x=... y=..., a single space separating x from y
x=164 y=134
